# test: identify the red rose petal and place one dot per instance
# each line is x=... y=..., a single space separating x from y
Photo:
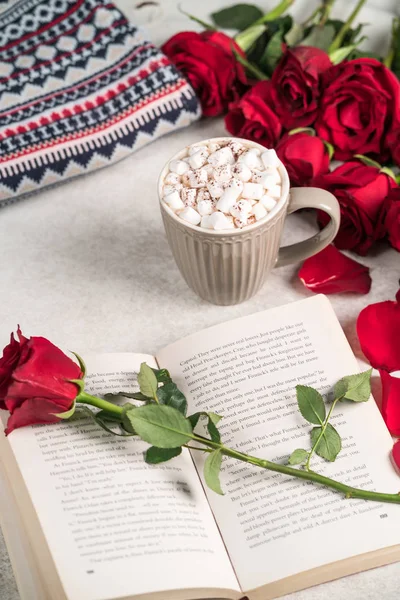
x=398 y=296
x=331 y=272
x=378 y=329
x=391 y=401
x=36 y=411
x=396 y=455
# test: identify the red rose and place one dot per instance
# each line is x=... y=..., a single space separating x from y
x=359 y=100
x=296 y=82
x=305 y=157
x=8 y=362
x=393 y=142
x=253 y=118
x=208 y=62
x=34 y=382
x=361 y=192
x=392 y=220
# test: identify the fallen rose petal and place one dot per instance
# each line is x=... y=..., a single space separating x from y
x=331 y=272
x=396 y=455
x=391 y=401
x=378 y=329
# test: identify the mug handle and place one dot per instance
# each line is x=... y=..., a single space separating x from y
x=310 y=197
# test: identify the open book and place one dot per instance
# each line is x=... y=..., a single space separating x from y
x=96 y=522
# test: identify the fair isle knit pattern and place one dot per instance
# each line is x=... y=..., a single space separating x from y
x=80 y=88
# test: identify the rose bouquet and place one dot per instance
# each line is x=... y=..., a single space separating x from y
x=309 y=91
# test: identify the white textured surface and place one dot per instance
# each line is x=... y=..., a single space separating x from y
x=87 y=265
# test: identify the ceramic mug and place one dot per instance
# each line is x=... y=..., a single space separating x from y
x=230 y=266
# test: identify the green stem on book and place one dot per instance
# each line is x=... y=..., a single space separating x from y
x=338 y=40
x=112 y=409
x=347 y=490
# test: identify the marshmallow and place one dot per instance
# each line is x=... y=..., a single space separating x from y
x=209 y=170
x=213 y=147
x=203 y=194
x=178 y=166
x=215 y=189
x=223 y=174
x=167 y=189
x=190 y=215
x=227 y=200
x=195 y=148
x=259 y=211
x=188 y=196
x=241 y=209
x=199 y=158
x=275 y=191
x=250 y=159
x=253 y=191
x=205 y=207
x=172 y=179
x=195 y=179
x=221 y=157
x=174 y=200
x=236 y=147
x=270 y=158
x=268 y=202
x=220 y=221
x=242 y=172
x=267 y=178
x=205 y=222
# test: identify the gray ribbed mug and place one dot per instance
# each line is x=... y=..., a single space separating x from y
x=230 y=266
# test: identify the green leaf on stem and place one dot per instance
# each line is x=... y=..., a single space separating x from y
x=368 y=161
x=68 y=413
x=298 y=457
x=329 y=444
x=212 y=420
x=308 y=130
x=389 y=172
x=246 y=39
x=81 y=363
x=161 y=426
x=133 y=395
x=294 y=35
x=107 y=416
x=126 y=422
x=238 y=16
x=162 y=375
x=339 y=55
x=212 y=467
x=155 y=455
x=330 y=149
x=272 y=53
x=319 y=37
x=147 y=381
x=170 y=395
x=355 y=387
x=311 y=404
x=100 y=421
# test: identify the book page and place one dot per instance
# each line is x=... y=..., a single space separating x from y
x=115 y=526
x=275 y=526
